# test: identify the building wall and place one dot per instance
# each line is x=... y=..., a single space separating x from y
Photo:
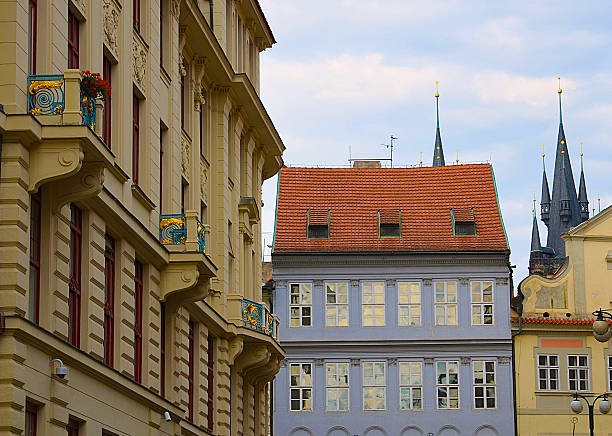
x=68 y=163
x=392 y=345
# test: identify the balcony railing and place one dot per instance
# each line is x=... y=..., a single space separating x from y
x=173 y=231
x=47 y=96
x=256 y=316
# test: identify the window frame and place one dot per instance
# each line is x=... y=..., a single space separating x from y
x=409 y=305
x=73 y=41
x=448 y=385
x=73 y=427
x=579 y=368
x=162 y=349
x=210 y=364
x=386 y=225
x=107 y=68
x=338 y=387
x=373 y=305
x=109 y=300
x=484 y=385
x=135 y=139
x=32 y=35
x=374 y=386
x=301 y=305
x=136 y=10
x=74 y=285
x=446 y=303
x=548 y=367
x=35 y=258
x=31 y=417
x=301 y=388
x=337 y=305
x=138 y=313
x=411 y=387
x=482 y=303
x=191 y=371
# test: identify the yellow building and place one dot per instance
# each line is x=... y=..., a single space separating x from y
x=130 y=233
x=556 y=354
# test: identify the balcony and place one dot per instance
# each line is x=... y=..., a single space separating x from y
x=257 y=316
x=190 y=269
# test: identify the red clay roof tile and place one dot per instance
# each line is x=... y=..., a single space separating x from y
x=354 y=196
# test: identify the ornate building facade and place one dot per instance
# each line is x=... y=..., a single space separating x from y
x=130 y=233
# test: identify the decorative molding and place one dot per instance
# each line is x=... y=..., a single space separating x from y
x=427 y=282
x=318 y=362
x=51 y=161
x=355 y=362
x=464 y=281
x=139 y=54
x=181 y=66
x=501 y=281
x=355 y=283
x=283 y=363
x=203 y=182
x=390 y=283
x=236 y=345
x=392 y=361
x=175 y=8
x=317 y=283
x=84 y=184
x=185 y=157
x=143 y=198
x=111 y=25
x=465 y=360
x=429 y=360
x=82 y=5
x=503 y=360
x=281 y=284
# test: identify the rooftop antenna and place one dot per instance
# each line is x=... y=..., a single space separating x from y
x=350 y=157
x=421 y=160
x=390 y=147
x=593 y=201
x=457 y=160
x=560 y=91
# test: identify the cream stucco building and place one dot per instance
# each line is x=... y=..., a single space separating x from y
x=130 y=236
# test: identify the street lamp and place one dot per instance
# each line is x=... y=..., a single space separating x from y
x=604 y=407
x=601 y=329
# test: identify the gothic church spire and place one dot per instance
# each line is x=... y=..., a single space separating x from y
x=438 y=157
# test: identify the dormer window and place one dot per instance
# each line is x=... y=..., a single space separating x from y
x=317 y=224
x=464 y=222
x=389 y=223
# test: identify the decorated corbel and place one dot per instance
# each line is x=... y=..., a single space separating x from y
x=180 y=281
x=53 y=161
x=236 y=345
x=269 y=371
x=84 y=184
x=252 y=357
x=175 y=8
x=198 y=98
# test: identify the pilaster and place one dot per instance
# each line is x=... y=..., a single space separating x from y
x=58 y=279
x=124 y=309
x=222 y=400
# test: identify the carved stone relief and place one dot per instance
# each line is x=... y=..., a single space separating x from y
x=463 y=281
x=175 y=7
x=392 y=361
x=501 y=281
x=139 y=53
x=429 y=360
x=503 y=360
x=391 y=283
x=355 y=362
x=355 y=283
x=111 y=25
x=82 y=4
x=551 y=298
x=185 y=158
x=203 y=182
x=466 y=360
x=318 y=283
x=426 y=282
x=318 y=362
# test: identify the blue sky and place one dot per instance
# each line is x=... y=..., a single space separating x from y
x=352 y=72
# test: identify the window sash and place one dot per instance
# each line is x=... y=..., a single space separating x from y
x=109 y=300
x=136 y=14
x=31 y=419
x=300 y=305
x=409 y=304
x=337 y=386
x=485 y=389
x=74 y=285
x=73 y=40
x=373 y=304
x=162 y=349
x=135 y=139
x=300 y=387
x=35 y=247
x=445 y=302
x=447 y=384
x=548 y=373
x=411 y=385
x=482 y=294
x=32 y=35
x=191 y=362
x=73 y=427
x=138 y=297
x=578 y=372
x=107 y=120
x=374 y=386
x=336 y=305
x=609 y=373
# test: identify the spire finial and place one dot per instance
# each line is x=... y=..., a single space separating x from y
x=457 y=160
x=598 y=202
x=534 y=204
x=560 y=91
x=421 y=158
x=581 y=158
x=543 y=156
x=437 y=95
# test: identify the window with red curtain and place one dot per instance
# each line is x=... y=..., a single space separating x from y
x=138 y=301
x=191 y=367
x=136 y=11
x=109 y=300
x=135 y=138
x=35 y=240
x=73 y=427
x=31 y=418
x=183 y=102
x=107 y=121
x=162 y=381
x=32 y=35
x=211 y=384
x=73 y=41
x=74 y=285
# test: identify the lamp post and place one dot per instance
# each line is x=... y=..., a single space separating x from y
x=604 y=407
x=601 y=329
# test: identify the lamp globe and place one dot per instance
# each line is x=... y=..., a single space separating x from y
x=601 y=327
x=576 y=406
x=604 y=406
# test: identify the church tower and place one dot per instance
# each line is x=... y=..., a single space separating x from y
x=438 y=156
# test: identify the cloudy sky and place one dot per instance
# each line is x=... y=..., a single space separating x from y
x=349 y=73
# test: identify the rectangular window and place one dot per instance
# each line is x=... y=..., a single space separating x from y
x=336 y=305
x=231 y=155
x=446 y=303
x=35 y=241
x=484 y=384
x=109 y=300
x=73 y=427
x=411 y=385
x=182 y=102
x=107 y=119
x=32 y=35
x=373 y=303
x=191 y=376
x=317 y=224
x=211 y=382
x=578 y=372
x=548 y=372
x=409 y=303
x=389 y=223
x=204 y=126
x=162 y=133
x=184 y=186
x=300 y=305
x=447 y=383
x=482 y=302
x=136 y=14
x=300 y=382
x=138 y=306
x=135 y=139
x=73 y=41
x=74 y=285
x=374 y=386
x=31 y=419
x=337 y=387
x=162 y=349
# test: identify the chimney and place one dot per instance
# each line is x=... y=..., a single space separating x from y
x=366 y=164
